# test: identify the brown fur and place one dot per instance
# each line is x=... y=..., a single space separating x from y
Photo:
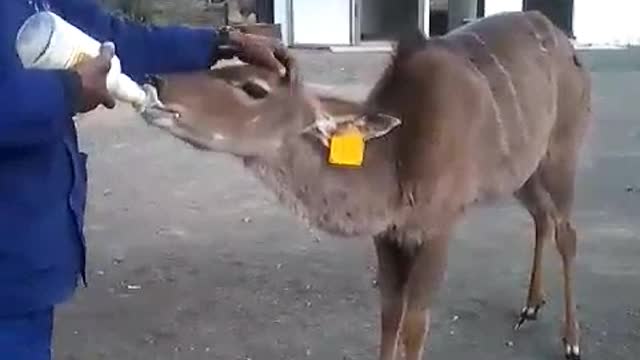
x=498 y=107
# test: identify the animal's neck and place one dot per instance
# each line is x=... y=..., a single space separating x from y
x=340 y=201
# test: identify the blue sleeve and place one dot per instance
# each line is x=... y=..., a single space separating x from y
x=143 y=49
x=35 y=105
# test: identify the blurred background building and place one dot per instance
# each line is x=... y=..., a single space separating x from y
x=370 y=22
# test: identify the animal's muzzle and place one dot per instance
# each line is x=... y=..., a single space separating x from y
x=154 y=112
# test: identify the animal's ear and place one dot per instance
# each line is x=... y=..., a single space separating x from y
x=371 y=126
x=322 y=128
x=376 y=125
x=292 y=76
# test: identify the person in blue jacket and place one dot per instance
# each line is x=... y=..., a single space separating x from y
x=43 y=174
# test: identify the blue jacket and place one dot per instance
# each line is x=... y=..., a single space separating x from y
x=43 y=174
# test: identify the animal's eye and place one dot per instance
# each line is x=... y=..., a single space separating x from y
x=255 y=88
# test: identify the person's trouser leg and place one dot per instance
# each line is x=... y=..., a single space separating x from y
x=26 y=337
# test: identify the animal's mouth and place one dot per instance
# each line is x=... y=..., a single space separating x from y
x=154 y=112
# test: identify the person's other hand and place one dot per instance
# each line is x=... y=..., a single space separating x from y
x=260 y=50
x=93 y=80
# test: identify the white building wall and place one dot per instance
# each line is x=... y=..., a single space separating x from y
x=595 y=22
x=492 y=7
x=426 y=13
x=280 y=17
x=322 y=22
x=314 y=22
x=611 y=22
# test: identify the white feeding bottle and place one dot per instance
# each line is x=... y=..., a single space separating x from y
x=46 y=41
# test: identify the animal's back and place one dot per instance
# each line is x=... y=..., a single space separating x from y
x=532 y=75
x=481 y=107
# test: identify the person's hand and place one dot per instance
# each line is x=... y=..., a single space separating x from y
x=93 y=80
x=260 y=50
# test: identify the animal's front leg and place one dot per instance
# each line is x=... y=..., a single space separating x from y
x=392 y=276
x=425 y=278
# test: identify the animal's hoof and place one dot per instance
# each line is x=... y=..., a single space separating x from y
x=571 y=352
x=529 y=313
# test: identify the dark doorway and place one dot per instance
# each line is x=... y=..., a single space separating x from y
x=480 y=9
x=560 y=12
x=384 y=20
x=438 y=22
x=264 y=11
x=438 y=17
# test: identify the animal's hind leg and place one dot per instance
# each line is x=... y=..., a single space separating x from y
x=558 y=177
x=537 y=201
x=566 y=241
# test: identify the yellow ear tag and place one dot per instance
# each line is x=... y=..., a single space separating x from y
x=347 y=148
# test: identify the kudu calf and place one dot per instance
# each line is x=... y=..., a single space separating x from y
x=495 y=108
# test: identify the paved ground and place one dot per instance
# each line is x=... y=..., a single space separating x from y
x=190 y=258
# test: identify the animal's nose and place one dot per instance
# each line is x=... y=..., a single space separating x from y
x=155 y=112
